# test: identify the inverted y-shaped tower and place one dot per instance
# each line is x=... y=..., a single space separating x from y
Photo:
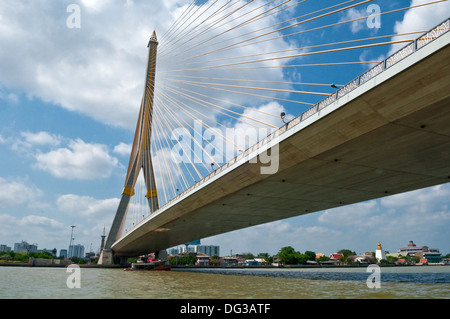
x=140 y=157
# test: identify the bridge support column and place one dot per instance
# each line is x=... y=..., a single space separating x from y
x=162 y=255
x=106 y=257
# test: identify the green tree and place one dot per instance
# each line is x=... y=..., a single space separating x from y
x=21 y=256
x=182 y=260
x=346 y=252
x=287 y=255
x=311 y=255
x=43 y=255
x=391 y=259
x=133 y=259
x=301 y=258
x=214 y=263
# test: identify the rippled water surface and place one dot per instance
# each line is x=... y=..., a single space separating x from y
x=96 y=283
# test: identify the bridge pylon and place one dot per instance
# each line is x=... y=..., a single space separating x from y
x=140 y=159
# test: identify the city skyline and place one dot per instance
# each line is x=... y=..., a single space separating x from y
x=69 y=101
x=183 y=247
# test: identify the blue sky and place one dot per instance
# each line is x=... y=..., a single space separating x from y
x=70 y=97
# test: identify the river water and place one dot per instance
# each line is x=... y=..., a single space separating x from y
x=430 y=282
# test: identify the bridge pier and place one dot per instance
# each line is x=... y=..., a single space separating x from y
x=107 y=258
x=162 y=255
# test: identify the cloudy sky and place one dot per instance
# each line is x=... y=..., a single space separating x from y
x=70 y=92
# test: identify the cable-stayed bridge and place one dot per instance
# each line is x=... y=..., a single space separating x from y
x=383 y=133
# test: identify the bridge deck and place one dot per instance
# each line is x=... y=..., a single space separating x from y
x=389 y=135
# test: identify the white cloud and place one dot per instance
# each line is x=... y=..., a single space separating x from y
x=356 y=214
x=41 y=138
x=421 y=198
x=39 y=221
x=269 y=113
x=98 y=69
x=46 y=232
x=420 y=19
x=95 y=5
x=89 y=214
x=87 y=206
x=79 y=160
x=353 y=14
x=16 y=192
x=123 y=149
x=8 y=96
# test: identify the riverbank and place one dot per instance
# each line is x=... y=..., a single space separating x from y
x=56 y=265
x=27 y=264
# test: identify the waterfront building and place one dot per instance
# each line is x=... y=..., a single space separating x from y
x=251 y=262
x=202 y=259
x=426 y=254
x=228 y=260
x=63 y=253
x=397 y=255
x=172 y=251
x=4 y=248
x=412 y=249
x=209 y=250
x=334 y=259
x=24 y=247
x=76 y=251
x=380 y=254
x=260 y=261
x=432 y=256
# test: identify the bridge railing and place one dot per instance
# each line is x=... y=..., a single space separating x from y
x=409 y=49
x=382 y=66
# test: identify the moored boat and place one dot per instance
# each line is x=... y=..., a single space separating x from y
x=151 y=265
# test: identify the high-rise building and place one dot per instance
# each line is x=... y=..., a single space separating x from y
x=76 y=251
x=208 y=250
x=25 y=247
x=63 y=253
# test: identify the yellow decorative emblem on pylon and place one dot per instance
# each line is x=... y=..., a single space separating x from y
x=128 y=191
x=152 y=193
